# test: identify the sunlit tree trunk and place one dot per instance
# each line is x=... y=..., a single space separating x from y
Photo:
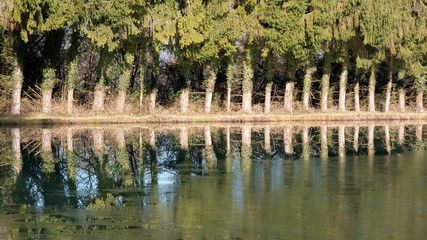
x=124 y=82
x=16 y=148
x=287 y=138
x=268 y=97
x=71 y=80
x=228 y=97
x=267 y=140
x=247 y=85
x=402 y=92
x=389 y=87
x=185 y=96
x=356 y=96
x=307 y=87
x=372 y=82
x=210 y=86
x=120 y=103
x=289 y=96
x=420 y=85
x=153 y=97
x=325 y=82
x=47 y=86
x=341 y=141
x=324 y=142
x=343 y=86
x=99 y=97
x=183 y=137
x=387 y=138
x=17 y=89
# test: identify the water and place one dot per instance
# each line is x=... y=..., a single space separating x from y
x=214 y=182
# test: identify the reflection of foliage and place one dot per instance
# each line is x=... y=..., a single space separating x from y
x=101 y=203
x=420 y=146
x=48 y=161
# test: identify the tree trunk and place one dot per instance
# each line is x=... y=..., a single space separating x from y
x=70 y=99
x=120 y=103
x=420 y=106
x=289 y=97
x=247 y=84
x=307 y=88
x=47 y=101
x=357 y=97
x=153 y=97
x=325 y=84
x=185 y=95
x=210 y=86
x=372 y=83
x=343 y=86
x=228 y=97
x=389 y=87
x=402 y=100
x=268 y=97
x=17 y=88
x=98 y=99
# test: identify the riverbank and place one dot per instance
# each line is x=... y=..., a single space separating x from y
x=211 y=118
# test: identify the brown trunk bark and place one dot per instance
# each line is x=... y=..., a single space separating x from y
x=98 y=100
x=356 y=139
x=357 y=97
x=267 y=140
x=183 y=137
x=120 y=103
x=287 y=138
x=289 y=97
x=268 y=97
x=247 y=96
x=17 y=88
x=47 y=101
x=420 y=106
x=387 y=138
x=185 y=95
x=228 y=97
x=343 y=86
x=208 y=101
x=153 y=97
x=16 y=148
x=307 y=88
x=401 y=134
x=324 y=142
x=372 y=83
x=341 y=141
x=70 y=99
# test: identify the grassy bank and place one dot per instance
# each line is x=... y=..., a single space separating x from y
x=211 y=118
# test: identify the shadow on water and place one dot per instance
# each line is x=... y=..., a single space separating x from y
x=180 y=182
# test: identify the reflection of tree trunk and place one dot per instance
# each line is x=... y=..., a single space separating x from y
x=343 y=86
x=210 y=157
x=185 y=95
x=47 y=156
x=356 y=139
x=324 y=142
x=228 y=140
x=153 y=138
x=17 y=88
x=120 y=138
x=98 y=139
x=267 y=140
x=69 y=139
x=305 y=143
x=183 y=137
x=16 y=148
x=46 y=140
x=419 y=132
x=371 y=149
x=289 y=96
x=401 y=134
x=341 y=141
x=123 y=154
x=268 y=97
x=387 y=138
x=246 y=147
x=287 y=138
x=307 y=87
x=372 y=80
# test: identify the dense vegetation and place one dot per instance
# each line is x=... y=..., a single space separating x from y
x=359 y=55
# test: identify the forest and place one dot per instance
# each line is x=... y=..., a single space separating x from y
x=249 y=56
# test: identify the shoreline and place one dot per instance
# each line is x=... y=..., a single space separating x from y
x=313 y=117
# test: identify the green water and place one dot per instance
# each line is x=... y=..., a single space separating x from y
x=206 y=182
